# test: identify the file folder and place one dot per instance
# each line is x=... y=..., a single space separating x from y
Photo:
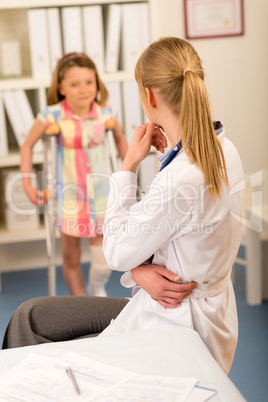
x=132 y=108
x=72 y=29
x=93 y=34
x=130 y=36
x=54 y=35
x=3 y=130
x=38 y=37
x=20 y=115
x=112 y=37
x=115 y=99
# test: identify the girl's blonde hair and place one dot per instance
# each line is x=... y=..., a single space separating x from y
x=64 y=64
x=173 y=67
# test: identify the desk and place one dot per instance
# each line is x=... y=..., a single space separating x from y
x=254 y=275
x=169 y=350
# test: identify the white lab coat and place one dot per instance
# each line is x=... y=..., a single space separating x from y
x=192 y=235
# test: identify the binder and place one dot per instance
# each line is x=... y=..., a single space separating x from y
x=93 y=34
x=115 y=99
x=147 y=171
x=26 y=113
x=130 y=36
x=132 y=108
x=20 y=115
x=144 y=27
x=38 y=37
x=14 y=117
x=72 y=29
x=135 y=33
x=54 y=36
x=112 y=37
x=3 y=130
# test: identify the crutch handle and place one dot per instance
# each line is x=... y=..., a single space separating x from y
x=109 y=124
x=53 y=129
x=47 y=194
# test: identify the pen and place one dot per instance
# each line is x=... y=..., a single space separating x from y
x=70 y=373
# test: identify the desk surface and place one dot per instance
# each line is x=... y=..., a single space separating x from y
x=171 y=351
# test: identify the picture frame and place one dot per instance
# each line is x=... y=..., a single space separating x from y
x=213 y=18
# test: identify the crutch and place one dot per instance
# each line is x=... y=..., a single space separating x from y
x=50 y=207
x=110 y=144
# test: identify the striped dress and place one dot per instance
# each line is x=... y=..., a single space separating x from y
x=83 y=167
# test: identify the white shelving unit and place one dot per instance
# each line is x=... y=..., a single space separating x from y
x=9 y=4
x=27 y=249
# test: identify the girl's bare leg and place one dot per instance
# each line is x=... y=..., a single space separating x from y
x=71 y=265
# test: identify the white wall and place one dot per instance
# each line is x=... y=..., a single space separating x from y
x=236 y=71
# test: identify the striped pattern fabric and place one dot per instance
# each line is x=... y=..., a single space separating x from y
x=83 y=167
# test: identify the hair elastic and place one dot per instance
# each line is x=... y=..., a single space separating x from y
x=65 y=59
x=185 y=71
x=71 y=56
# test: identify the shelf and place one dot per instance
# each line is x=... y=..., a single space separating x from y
x=23 y=83
x=23 y=235
x=13 y=159
x=34 y=255
x=56 y=3
x=33 y=83
x=26 y=248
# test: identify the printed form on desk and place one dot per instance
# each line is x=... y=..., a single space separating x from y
x=38 y=379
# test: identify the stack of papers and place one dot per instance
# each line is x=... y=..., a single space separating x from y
x=40 y=378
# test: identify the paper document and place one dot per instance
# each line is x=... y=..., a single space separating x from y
x=40 y=379
x=25 y=368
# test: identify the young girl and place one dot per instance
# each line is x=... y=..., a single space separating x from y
x=185 y=222
x=78 y=112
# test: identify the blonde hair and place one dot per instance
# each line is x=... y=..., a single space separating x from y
x=173 y=67
x=64 y=64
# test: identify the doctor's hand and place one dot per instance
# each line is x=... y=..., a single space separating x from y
x=144 y=137
x=160 y=284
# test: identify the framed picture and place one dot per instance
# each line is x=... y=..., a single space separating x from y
x=213 y=18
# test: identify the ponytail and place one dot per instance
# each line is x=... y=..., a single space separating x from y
x=173 y=67
x=200 y=143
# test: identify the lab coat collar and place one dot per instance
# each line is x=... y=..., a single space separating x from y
x=167 y=157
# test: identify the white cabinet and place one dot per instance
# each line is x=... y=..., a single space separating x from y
x=27 y=248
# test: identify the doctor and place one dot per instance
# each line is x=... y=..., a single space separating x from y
x=185 y=220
